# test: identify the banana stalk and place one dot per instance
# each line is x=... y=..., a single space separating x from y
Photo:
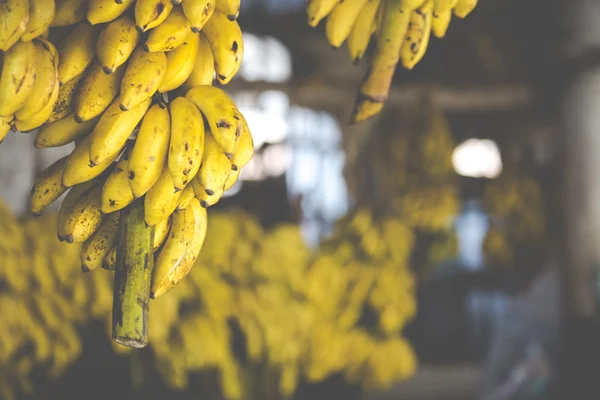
x=132 y=277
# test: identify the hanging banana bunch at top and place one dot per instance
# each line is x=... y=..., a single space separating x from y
x=402 y=29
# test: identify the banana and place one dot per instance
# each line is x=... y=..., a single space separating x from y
x=144 y=74
x=230 y=8
x=149 y=153
x=151 y=13
x=359 y=38
x=231 y=179
x=225 y=38
x=161 y=229
x=441 y=6
x=66 y=99
x=101 y=11
x=96 y=92
x=47 y=187
x=63 y=131
x=205 y=199
x=172 y=276
x=376 y=85
x=341 y=20
x=216 y=167
x=198 y=12
x=440 y=22
x=180 y=63
x=170 y=34
x=161 y=200
x=4 y=127
x=110 y=261
x=77 y=51
x=14 y=17
x=97 y=247
x=114 y=127
x=204 y=69
x=79 y=220
x=186 y=197
x=27 y=125
x=464 y=7
x=245 y=149
x=116 y=43
x=116 y=193
x=417 y=36
x=187 y=141
x=183 y=228
x=69 y=12
x=319 y=9
x=41 y=14
x=78 y=168
x=18 y=77
x=411 y=5
x=46 y=80
x=221 y=113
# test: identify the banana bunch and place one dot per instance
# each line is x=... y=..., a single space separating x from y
x=402 y=29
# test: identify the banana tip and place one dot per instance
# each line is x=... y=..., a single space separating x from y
x=209 y=192
x=232 y=17
x=228 y=155
x=146 y=48
x=69 y=239
x=139 y=29
x=107 y=70
x=204 y=204
x=152 y=295
x=85 y=268
x=234 y=167
x=78 y=119
x=123 y=108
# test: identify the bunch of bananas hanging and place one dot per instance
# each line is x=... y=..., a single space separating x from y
x=402 y=29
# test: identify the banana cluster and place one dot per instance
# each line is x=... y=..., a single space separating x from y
x=402 y=29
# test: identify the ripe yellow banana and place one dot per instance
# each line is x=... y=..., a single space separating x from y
x=417 y=36
x=144 y=74
x=149 y=153
x=69 y=12
x=114 y=127
x=81 y=220
x=18 y=77
x=230 y=8
x=319 y=9
x=221 y=113
x=161 y=229
x=245 y=149
x=161 y=200
x=63 y=131
x=411 y=5
x=170 y=34
x=14 y=17
x=151 y=13
x=359 y=38
x=187 y=141
x=96 y=92
x=46 y=80
x=37 y=120
x=4 y=127
x=225 y=38
x=47 y=187
x=77 y=51
x=78 y=168
x=198 y=12
x=116 y=43
x=204 y=69
x=216 y=167
x=97 y=247
x=440 y=22
x=180 y=63
x=41 y=14
x=205 y=199
x=341 y=20
x=186 y=197
x=231 y=179
x=464 y=7
x=101 y=11
x=183 y=228
x=441 y=6
x=66 y=99
x=116 y=193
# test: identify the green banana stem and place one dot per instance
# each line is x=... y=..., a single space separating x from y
x=132 y=277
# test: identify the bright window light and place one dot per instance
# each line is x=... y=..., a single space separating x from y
x=265 y=59
x=477 y=158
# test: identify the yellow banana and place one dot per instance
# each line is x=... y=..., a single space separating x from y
x=116 y=43
x=359 y=38
x=161 y=229
x=187 y=141
x=114 y=127
x=186 y=197
x=47 y=187
x=73 y=196
x=225 y=38
x=204 y=69
x=231 y=179
x=464 y=7
x=4 y=127
x=101 y=11
x=66 y=97
x=170 y=34
x=63 y=131
x=319 y=9
x=46 y=80
x=77 y=51
x=26 y=125
x=221 y=113
x=151 y=13
x=441 y=6
x=96 y=92
x=17 y=78
x=215 y=167
x=69 y=12
x=180 y=63
x=41 y=14
x=144 y=74
x=440 y=22
x=245 y=149
x=97 y=247
x=417 y=36
x=173 y=251
x=205 y=199
x=230 y=8
x=161 y=200
x=78 y=168
x=411 y=5
x=341 y=20
x=81 y=220
x=116 y=193
x=198 y=12
x=14 y=17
